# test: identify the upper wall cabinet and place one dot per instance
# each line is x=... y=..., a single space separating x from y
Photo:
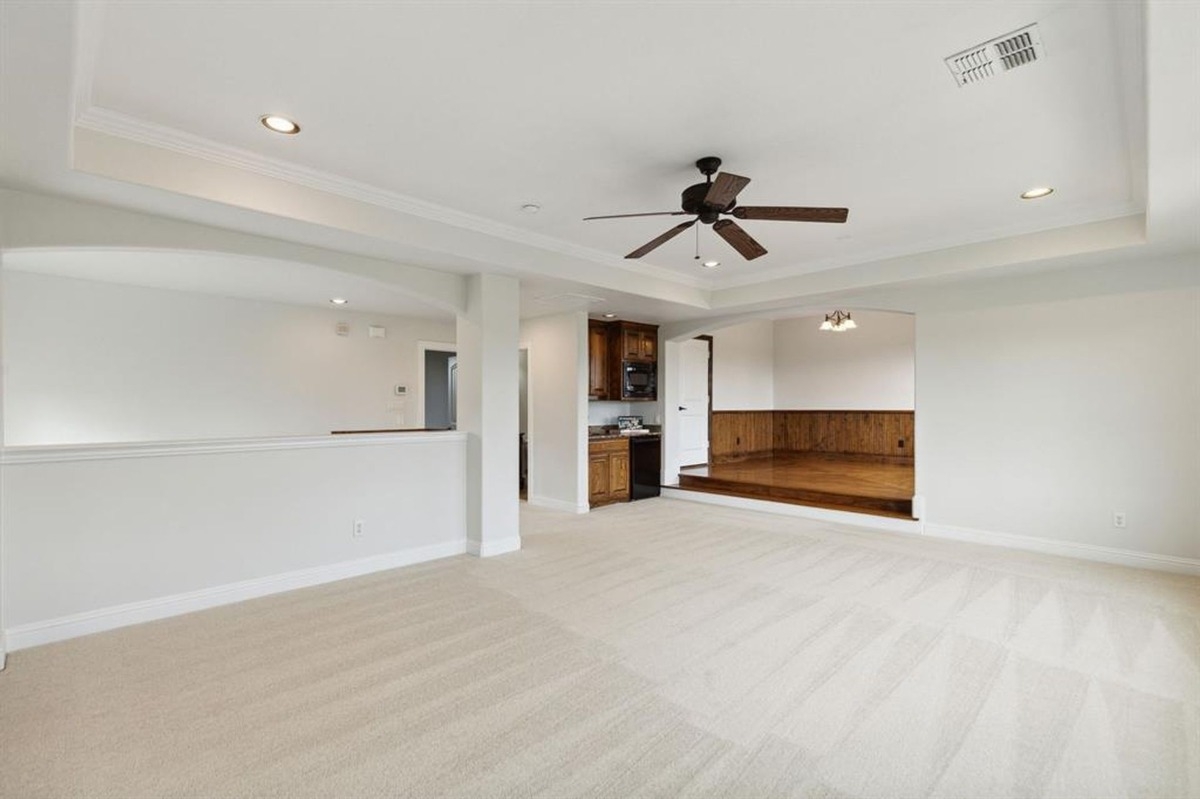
x=638 y=342
x=612 y=345
x=599 y=372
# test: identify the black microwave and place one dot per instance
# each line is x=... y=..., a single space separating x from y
x=638 y=380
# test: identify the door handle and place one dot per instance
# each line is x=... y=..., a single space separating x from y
x=682 y=408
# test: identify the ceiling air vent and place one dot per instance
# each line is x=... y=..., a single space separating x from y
x=1001 y=54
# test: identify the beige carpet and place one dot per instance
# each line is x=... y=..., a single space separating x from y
x=662 y=648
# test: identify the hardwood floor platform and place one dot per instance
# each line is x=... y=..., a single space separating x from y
x=819 y=480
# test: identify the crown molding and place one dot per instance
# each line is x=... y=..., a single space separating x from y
x=89 y=26
x=1110 y=212
x=123 y=126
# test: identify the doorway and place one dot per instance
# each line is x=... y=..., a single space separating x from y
x=523 y=422
x=441 y=390
x=695 y=400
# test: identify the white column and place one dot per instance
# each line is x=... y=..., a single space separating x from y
x=488 y=342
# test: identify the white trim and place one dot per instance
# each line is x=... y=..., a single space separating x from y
x=558 y=504
x=60 y=629
x=489 y=549
x=884 y=523
x=1069 y=549
x=123 y=126
x=62 y=453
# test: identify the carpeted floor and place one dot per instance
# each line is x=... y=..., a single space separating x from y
x=662 y=648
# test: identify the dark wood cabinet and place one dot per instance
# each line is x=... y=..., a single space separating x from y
x=610 y=346
x=638 y=342
x=618 y=474
x=608 y=471
x=599 y=373
x=598 y=490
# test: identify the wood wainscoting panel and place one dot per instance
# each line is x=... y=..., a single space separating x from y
x=876 y=433
x=736 y=435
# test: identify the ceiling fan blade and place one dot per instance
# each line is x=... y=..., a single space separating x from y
x=724 y=189
x=782 y=213
x=626 y=216
x=663 y=239
x=739 y=239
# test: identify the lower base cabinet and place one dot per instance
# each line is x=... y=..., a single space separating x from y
x=608 y=472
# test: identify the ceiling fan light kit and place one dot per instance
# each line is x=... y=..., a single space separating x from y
x=714 y=198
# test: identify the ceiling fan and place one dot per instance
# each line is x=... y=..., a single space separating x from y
x=710 y=200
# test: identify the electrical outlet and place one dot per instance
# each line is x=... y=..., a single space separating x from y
x=358 y=528
x=1119 y=519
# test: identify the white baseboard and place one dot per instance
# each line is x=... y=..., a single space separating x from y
x=94 y=621
x=848 y=518
x=1119 y=557
x=557 y=504
x=1070 y=549
x=489 y=548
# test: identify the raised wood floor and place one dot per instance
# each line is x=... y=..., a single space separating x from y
x=819 y=480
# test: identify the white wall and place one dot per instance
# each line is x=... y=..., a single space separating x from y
x=85 y=538
x=3 y=369
x=558 y=410
x=95 y=362
x=1042 y=420
x=869 y=368
x=743 y=367
x=605 y=413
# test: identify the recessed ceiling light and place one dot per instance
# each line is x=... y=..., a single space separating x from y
x=339 y=300
x=1040 y=191
x=531 y=208
x=711 y=264
x=610 y=316
x=279 y=124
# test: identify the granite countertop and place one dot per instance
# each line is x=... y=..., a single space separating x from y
x=607 y=433
x=605 y=436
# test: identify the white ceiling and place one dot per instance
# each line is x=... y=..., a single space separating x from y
x=427 y=125
x=603 y=108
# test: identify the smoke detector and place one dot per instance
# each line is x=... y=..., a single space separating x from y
x=999 y=55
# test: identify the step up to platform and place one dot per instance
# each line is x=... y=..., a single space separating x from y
x=823 y=481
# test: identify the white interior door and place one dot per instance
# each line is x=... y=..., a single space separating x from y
x=693 y=402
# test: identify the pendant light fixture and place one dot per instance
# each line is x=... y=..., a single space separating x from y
x=838 y=321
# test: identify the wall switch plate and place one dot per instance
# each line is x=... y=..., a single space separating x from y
x=376 y=331
x=358 y=528
x=1119 y=519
